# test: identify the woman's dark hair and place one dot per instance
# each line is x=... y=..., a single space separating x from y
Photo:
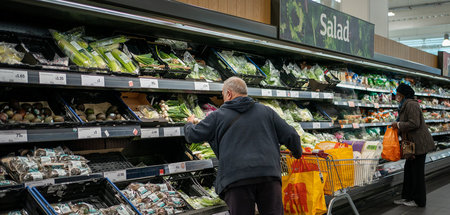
x=406 y=90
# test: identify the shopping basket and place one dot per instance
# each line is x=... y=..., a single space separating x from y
x=338 y=175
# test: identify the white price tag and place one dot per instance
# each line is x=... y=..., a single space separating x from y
x=376 y=105
x=328 y=95
x=281 y=93
x=315 y=95
x=75 y=44
x=266 y=92
x=9 y=136
x=201 y=86
x=92 y=80
x=149 y=83
x=355 y=125
x=52 y=78
x=316 y=125
x=86 y=133
x=351 y=104
x=172 y=131
x=15 y=76
x=149 y=132
x=44 y=182
x=118 y=175
x=295 y=94
x=177 y=167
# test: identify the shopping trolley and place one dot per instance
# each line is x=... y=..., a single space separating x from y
x=339 y=175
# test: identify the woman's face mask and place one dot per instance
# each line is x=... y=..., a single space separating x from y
x=399 y=97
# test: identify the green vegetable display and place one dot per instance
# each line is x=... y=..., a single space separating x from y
x=272 y=75
x=239 y=63
x=68 y=49
x=200 y=70
x=175 y=110
x=199 y=202
x=172 y=60
x=202 y=150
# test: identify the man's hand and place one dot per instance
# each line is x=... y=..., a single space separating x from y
x=191 y=118
x=394 y=125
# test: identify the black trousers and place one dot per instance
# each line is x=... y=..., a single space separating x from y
x=414 y=181
x=267 y=196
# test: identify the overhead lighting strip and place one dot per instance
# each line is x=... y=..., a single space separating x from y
x=232 y=36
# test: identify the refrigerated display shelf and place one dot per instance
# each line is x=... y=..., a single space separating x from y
x=72 y=79
x=378 y=90
x=358 y=103
x=317 y=125
x=440 y=133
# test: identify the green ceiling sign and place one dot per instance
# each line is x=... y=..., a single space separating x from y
x=310 y=23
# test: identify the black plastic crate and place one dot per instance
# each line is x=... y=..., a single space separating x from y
x=18 y=98
x=314 y=107
x=140 y=46
x=101 y=193
x=99 y=100
x=21 y=199
x=226 y=71
x=171 y=72
x=104 y=162
x=42 y=51
x=290 y=79
x=261 y=61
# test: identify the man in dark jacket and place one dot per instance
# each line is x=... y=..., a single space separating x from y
x=411 y=123
x=246 y=138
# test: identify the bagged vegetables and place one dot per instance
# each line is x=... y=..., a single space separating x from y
x=9 y=55
x=239 y=63
x=172 y=60
x=85 y=208
x=272 y=75
x=200 y=70
x=202 y=150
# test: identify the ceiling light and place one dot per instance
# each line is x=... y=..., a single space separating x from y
x=338 y=1
x=446 y=41
x=391 y=13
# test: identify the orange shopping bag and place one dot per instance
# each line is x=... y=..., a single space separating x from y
x=303 y=189
x=391 y=145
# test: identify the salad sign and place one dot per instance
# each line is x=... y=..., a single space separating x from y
x=310 y=23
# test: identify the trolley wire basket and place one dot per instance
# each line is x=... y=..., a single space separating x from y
x=338 y=175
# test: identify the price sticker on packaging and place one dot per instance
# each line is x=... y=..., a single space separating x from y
x=355 y=125
x=316 y=125
x=177 y=167
x=14 y=76
x=52 y=78
x=149 y=132
x=149 y=83
x=315 y=95
x=92 y=80
x=295 y=94
x=172 y=132
x=44 y=182
x=86 y=133
x=281 y=93
x=376 y=105
x=328 y=95
x=11 y=136
x=118 y=175
x=201 y=86
x=351 y=103
x=266 y=92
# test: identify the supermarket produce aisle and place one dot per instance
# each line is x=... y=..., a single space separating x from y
x=438 y=199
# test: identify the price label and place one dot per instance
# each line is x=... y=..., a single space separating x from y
x=11 y=136
x=52 y=78
x=86 y=133
x=149 y=132
x=15 y=76
x=149 y=83
x=355 y=125
x=342 y=126
x=266 y=92
x=118 y=175
x=172 y=131
x=315 y=95
x=177 y=167
x=316 y=125
x=295 y=94
x=351 y=104
x=44 y=182
x=328 y=95
x=376 y=105
x=92 y=80
x=281 y=93
x=201 y=86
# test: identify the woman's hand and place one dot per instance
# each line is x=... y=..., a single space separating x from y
x=394 y=125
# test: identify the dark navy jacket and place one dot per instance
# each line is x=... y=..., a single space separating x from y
x=250 y=148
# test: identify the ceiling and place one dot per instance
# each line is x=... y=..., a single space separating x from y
x=419 y=20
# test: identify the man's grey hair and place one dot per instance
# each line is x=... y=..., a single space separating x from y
x=236 y=85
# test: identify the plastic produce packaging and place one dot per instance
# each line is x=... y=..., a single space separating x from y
x=200 y=70
x=84 y=208
x=272 y=75
x=239 y=63
x=9 y=55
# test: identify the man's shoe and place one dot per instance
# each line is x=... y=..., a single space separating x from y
x=410 y=204
x=400 y=201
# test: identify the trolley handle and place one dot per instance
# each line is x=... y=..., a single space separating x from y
x=315 y=152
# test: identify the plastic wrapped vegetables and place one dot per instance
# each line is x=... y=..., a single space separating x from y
x=117 y=60
x=309 y=140
x=200 y=70
x=239 y=63
x=202 y=150
x=272 y=75
x=172 y=60
x=74 y=54
x=292 y=68
x=9 y=55
x=175 y=111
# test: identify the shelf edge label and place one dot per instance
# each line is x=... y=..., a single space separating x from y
x=52 y=78
x=203 y=86
x=87 y=133
x=118 y=175
x=149 y=132
x=11 y=136
x=172 y=131
x=266 y=92
x=14 y=76
x=92 y=80
x=177 y=167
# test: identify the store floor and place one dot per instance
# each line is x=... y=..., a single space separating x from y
x=438 y=201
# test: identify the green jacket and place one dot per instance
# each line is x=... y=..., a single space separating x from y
x=413 y=124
